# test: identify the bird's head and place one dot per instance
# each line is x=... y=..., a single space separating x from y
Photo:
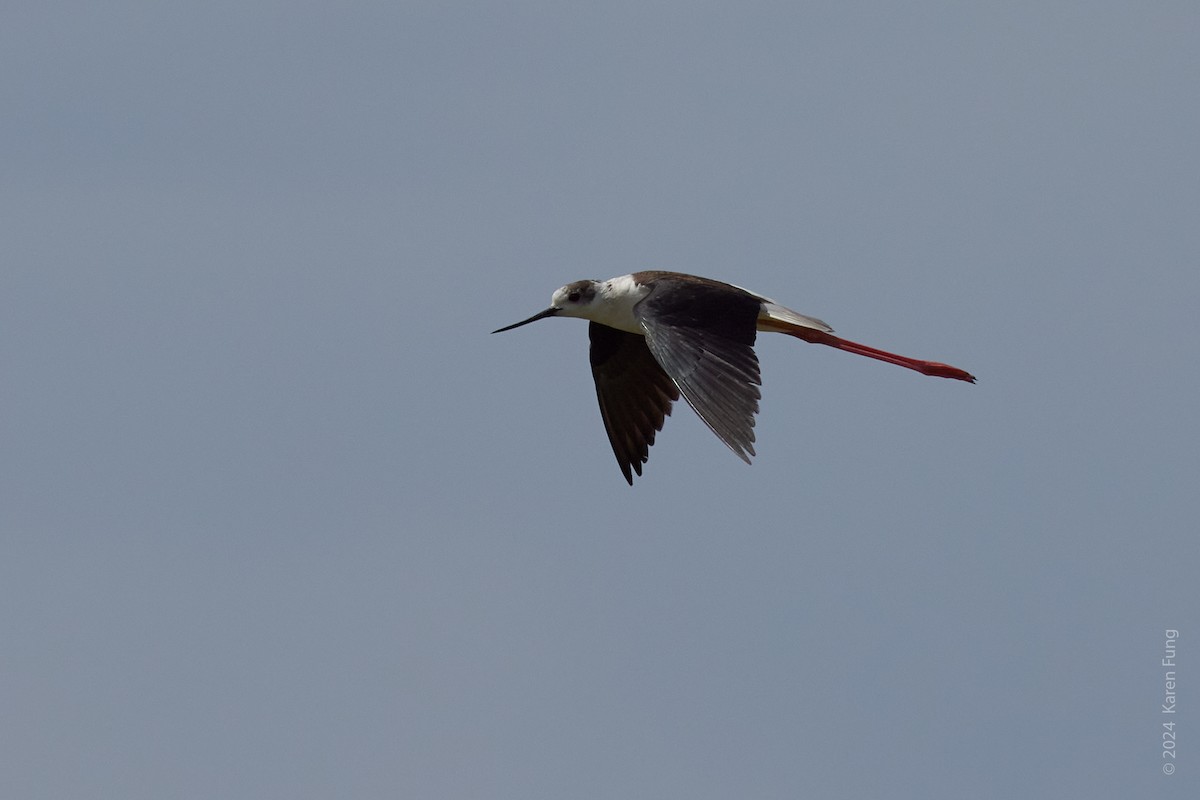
x=573 y=300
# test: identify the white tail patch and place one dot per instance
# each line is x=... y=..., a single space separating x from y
x=772 y=311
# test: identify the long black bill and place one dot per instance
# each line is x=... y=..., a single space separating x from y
x=549 y=312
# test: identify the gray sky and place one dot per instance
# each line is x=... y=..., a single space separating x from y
x=280 y=519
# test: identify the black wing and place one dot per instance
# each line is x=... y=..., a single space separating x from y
x=703 y=337
x=635 y=394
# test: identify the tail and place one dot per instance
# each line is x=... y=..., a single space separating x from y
x=818 y=336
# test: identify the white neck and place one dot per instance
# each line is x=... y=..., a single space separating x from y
x=615 y=299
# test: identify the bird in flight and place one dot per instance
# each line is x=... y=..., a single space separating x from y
x=657 y=335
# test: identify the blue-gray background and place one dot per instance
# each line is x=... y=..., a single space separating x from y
x=279 y=519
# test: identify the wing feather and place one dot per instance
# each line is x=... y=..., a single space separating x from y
x=703 y=338
x=634 y=393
